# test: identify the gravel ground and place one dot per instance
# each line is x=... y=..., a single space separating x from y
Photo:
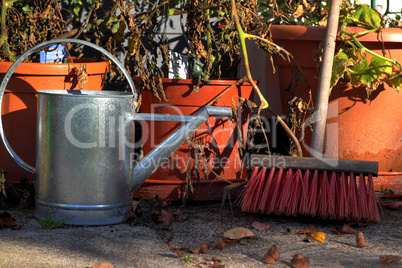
x=142 y=242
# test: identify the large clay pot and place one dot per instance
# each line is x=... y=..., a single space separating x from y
x=358 y=127
x=20 y=104
x=218 y=137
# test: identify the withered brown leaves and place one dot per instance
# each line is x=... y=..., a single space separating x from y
x=259 y=226
x=360 y=243
x=299 y=261
x=238 y=233
x=389 y=259
x=345 y=229
x=272 y=255
x=7 y=221
x=219 y=243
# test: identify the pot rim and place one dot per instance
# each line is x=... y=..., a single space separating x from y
x=219 y=82
x=317 y=33
x=35 y=68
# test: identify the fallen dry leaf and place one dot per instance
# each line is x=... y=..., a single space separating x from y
x=219 y=244
x=393 y=205
x=166 y=218
x=7 y=221
x=230 y=241
x=337 y=230
x=204 y=249
x=200 y=249
x=158 y=202
x=177 y=216
x=299 y=261
x=259 y=226
x=389 y=259
x=195 y=250
x=238 y=233
x=271 y=256
x=312 y=230
x=319 y=236
x=215 y=259
x=178 y=251
x=102 y=265
x=360 y=243
x=345 y=229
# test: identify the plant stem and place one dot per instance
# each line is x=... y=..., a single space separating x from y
x=248 y=77
x=242 y=37
x=4 y=35
x=353 y=36
x=288 y=55
x=87 y=21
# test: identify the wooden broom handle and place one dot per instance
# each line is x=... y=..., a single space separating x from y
x=320 y=115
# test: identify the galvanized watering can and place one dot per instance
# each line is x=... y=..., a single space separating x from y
x=84 y=170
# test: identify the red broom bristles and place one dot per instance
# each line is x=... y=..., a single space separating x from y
x=323 y=202
x=266 y=189
x=285 y=191
x=247 y=195
x=305 y=184
x=353 y=195
x=292 y=193
x=294 y=197
x=274 y=192
x=331 y=196
x=313 y=196
x=258 y=190
x=372 y=201
x=343 y=197
x=363 y=205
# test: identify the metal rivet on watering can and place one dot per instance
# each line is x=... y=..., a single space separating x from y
x=84 y=170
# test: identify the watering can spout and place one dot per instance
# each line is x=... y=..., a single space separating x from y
x=145 y=167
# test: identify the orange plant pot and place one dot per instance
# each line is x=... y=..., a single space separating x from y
x=20 y=104
x=218 y=137
x=358 y=127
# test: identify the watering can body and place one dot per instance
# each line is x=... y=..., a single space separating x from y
x=84 y=172
x=84 y=155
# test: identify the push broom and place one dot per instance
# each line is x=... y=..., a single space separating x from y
x=313 y=186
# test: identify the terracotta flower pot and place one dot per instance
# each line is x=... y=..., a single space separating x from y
x=218 y=138
x=358 y=127
x=20 y=104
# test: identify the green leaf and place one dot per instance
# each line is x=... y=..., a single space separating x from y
x=368 y=17
x=372 y=75
x=380 y=67
x=115 y=28
x=26 y=8
x=360 y=10
x=356 y=73
x=76 y=8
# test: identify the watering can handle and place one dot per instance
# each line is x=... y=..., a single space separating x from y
x=26 y=54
